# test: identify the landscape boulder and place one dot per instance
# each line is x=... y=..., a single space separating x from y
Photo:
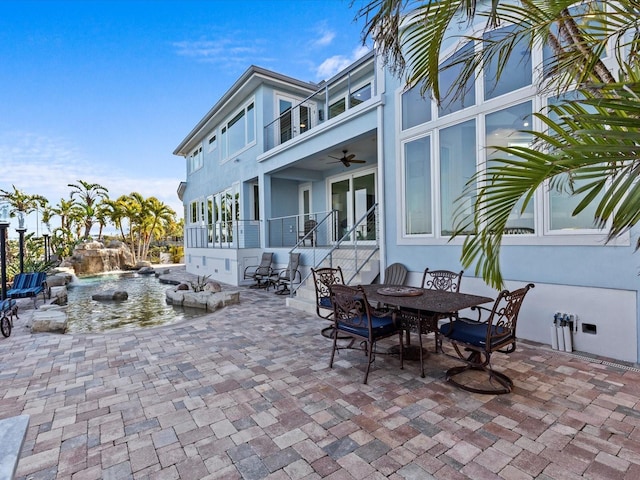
x=49 y=318
x=110 y=295
x=93 y=257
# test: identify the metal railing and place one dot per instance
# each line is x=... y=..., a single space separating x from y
x=333 y=99
x=233 y=234
x=361 y=247
x=289 y=231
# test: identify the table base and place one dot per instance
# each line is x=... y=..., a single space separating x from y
x=410 y=352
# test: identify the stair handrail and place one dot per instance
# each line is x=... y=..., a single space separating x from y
x=348 y=235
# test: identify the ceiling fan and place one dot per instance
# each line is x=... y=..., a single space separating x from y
x=347 y=160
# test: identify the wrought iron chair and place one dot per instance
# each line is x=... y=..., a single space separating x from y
x=323 y=278
x=395 y=274
x=284 y=279
x=475 y=340
x=412 y=320
x=353 y=317
x=308 y=233
x=260 y=273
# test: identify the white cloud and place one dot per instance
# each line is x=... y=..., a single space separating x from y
x=333 y=65
x=325 y=38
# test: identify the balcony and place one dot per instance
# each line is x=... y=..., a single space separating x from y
x=337 y=97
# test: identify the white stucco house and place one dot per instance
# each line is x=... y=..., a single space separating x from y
x=378 y=167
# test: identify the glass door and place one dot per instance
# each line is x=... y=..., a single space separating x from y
x=295 y=118
x=351 y=198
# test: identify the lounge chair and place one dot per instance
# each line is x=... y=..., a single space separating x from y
x=29 y=285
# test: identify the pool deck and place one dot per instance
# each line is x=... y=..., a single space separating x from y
x=246 y=392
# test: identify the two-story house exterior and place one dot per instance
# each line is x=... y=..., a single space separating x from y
x=267 y=157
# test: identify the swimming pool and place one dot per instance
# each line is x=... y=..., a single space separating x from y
x=145 y=307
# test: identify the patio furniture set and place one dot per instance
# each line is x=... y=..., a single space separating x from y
x=369 y=313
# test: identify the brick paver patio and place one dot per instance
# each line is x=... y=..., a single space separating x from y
x=246 y=392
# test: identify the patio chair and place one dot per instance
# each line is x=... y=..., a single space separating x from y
x=323 y=278
x=395 y=274
x=260 y=274
x=29 y=285
x=353 y=317
x=284 y=279
x=308 y=233
x=474 y=340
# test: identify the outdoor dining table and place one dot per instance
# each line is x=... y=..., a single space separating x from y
x=425 y=306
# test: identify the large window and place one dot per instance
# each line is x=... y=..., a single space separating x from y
x=457 y=166
x=516 y=72
x=417 y=174
x=561 y=202
x=238 y=132
x=451 y=100
x=502 y=128
x=416 y=108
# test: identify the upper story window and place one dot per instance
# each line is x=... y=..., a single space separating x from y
x=213 y=142
x=361 y=95
x=238 y=132
x=516 y=73
x=337 y=108
x=451 y=100
x=416 y=109
x=195 y=160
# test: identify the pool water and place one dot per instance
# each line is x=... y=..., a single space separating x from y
x=145 y=307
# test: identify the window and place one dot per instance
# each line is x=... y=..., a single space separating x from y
x=213 y=143
x=502 y=129
x=561 y=202
x=195 y=160
x=457 y=166
x=337 y=108
x=452 y=101
x=417 y=188
x=416 y=109
x=361 y=95
x=238 y=132
x=516 y=72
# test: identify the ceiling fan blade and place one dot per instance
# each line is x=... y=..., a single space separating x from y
x=357 y=161
x=350 y=157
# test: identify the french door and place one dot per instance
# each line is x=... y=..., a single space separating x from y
x=351 y=197
x=295 y=118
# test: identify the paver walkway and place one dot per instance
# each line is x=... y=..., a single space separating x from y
x=246 y=392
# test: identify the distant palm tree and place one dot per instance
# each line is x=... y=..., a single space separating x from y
x=22 y=203
x=87 y=195
x=157 y=216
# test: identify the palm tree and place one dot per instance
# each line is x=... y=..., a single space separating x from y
x=87 y=196
x=590 y=152
x=21 y=203
x=158 y=216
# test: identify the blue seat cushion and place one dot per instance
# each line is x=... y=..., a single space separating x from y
x=472 y=333
x=325 y=302
x=380 y=326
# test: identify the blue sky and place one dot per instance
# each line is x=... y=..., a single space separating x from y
x=103 y=91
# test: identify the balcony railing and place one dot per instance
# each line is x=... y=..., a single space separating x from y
x=340 y=94
x=287 y=232
x=234 y=234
